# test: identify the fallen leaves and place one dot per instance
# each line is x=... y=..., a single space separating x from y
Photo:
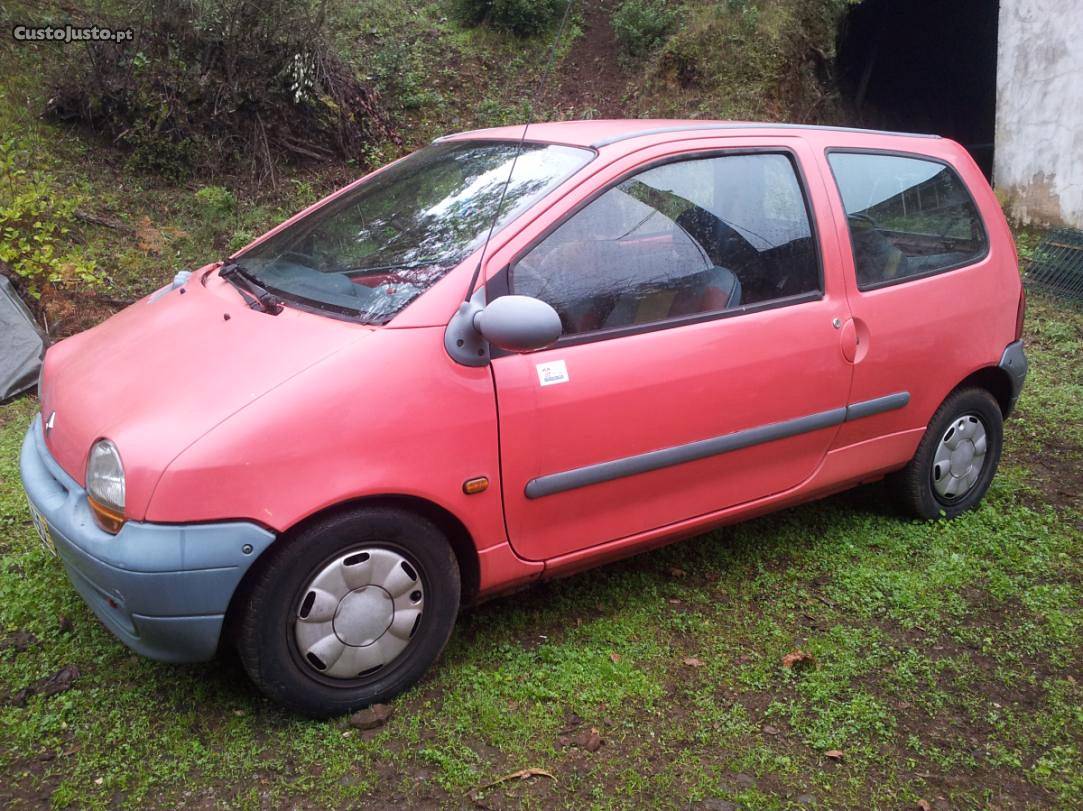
x=372 y=717
x=614 y=657
x=59 y=682
x=591 y=741
x=522 y=774
x=150 y=239
x=923 y=805
x=798 y=660
x=834 y=754
x=692 y=661
x=18 y=641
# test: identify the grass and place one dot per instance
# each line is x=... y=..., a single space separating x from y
x=946 y=666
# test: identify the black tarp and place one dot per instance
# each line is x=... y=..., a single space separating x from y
x=21 y=345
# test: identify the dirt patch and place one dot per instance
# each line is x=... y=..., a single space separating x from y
x=592 y=79
x=31 y=784
x=1056 y=473
x=63 y=314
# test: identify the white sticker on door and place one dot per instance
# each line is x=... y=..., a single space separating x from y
x=552 y=372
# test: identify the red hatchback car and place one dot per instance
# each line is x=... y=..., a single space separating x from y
x=322 y=447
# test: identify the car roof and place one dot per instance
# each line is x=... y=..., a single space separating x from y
x=600 y=133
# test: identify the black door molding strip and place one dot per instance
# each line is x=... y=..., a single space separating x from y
x=587 y=475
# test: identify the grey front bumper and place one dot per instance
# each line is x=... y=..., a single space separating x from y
x=162 y=589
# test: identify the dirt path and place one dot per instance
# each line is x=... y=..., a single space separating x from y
x=592 y=79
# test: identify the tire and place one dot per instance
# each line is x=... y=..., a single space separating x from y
x=383 y=566
x=933 y=485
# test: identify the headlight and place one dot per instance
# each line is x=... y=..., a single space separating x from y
x=105 y=485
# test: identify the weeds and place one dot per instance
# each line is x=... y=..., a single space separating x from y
x=523 y=18
x=642 y=26
x=214 y=84
x=36 y=221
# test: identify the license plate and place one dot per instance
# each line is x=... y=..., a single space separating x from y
x=42 y=526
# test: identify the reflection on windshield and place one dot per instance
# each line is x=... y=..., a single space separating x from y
x=375 y=249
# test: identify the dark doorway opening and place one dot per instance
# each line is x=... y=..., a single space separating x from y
x=923 y=66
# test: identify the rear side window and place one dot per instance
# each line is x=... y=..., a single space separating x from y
x=908 y=217
x=677 y=241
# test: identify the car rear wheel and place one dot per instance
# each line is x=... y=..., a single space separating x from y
x=350 y=611
x=956 y=459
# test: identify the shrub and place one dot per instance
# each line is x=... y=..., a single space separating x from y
x=217 y=202
x=642 y=26
x=240 y=239
x=212 y=85
x=400 y=71
x=34 y=225
x=524 y=18
x=746 y=59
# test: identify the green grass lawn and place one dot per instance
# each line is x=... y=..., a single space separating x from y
x=946 y=666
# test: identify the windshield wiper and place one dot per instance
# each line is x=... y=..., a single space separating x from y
x=255 y=295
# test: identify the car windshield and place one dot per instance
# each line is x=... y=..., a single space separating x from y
x=375 y=249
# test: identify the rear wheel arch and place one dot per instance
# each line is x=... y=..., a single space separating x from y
x=994 y=380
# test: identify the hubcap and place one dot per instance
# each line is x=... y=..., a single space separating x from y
x=358 y=613
x=959 y=458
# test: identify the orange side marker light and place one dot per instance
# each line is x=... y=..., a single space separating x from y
x=476 y=485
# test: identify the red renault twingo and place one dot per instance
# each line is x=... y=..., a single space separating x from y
x=329 y=442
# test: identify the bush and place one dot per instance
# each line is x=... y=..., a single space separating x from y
x=212 y=85
x=747 y=59
x=399 y=70
x=34 y=225
x=524 y=18
x=217 y=202
x=642 y=26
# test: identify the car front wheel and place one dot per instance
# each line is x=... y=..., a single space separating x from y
x=350 y=611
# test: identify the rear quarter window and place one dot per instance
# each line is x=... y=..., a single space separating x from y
x=909 y=217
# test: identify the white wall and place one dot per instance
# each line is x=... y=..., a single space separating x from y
x=1038 y=158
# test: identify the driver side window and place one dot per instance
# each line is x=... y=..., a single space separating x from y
x=675 y=241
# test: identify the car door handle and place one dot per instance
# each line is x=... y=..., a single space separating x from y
x=849 y=341
x=854 y=340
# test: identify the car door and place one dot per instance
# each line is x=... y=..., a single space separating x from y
x=700 y=365
x=925 y=303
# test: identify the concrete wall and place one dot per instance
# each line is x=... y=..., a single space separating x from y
x=1038 y=160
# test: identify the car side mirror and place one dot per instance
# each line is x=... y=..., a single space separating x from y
x=518 y=323
x=514 y=323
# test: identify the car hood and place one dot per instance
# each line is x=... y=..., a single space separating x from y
x=160 y=374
